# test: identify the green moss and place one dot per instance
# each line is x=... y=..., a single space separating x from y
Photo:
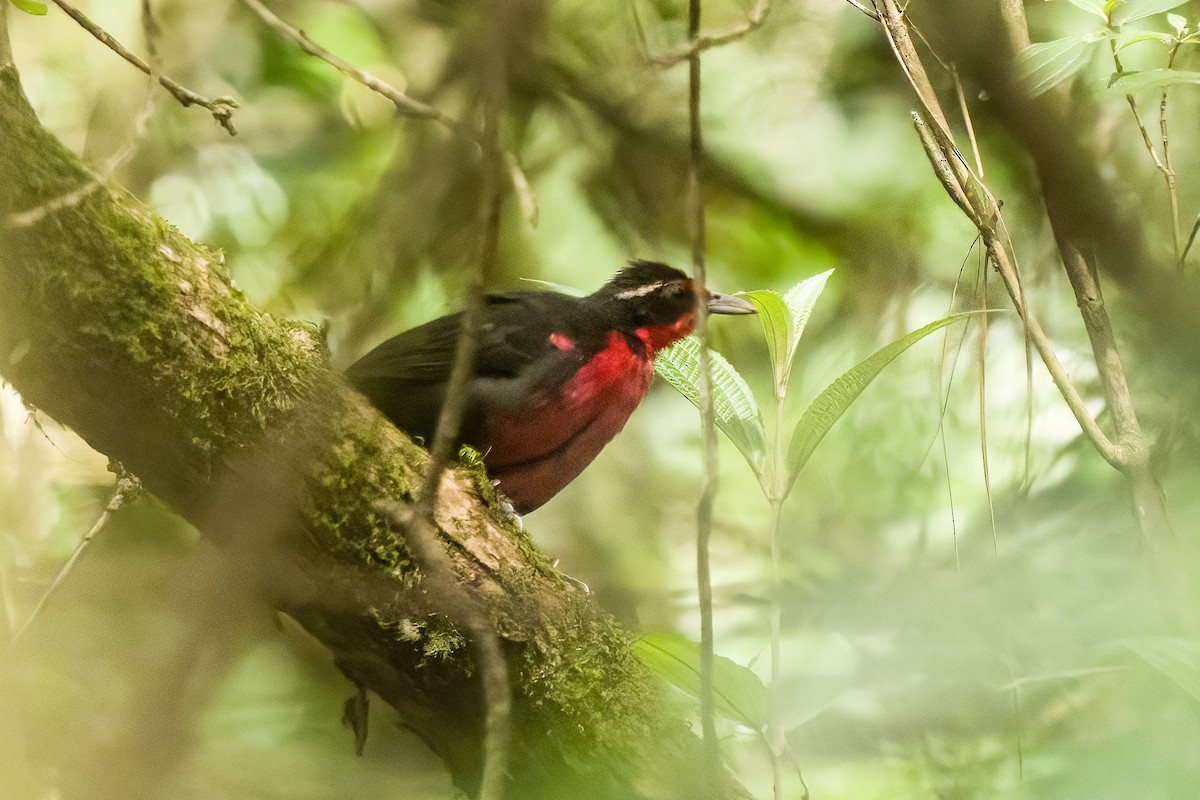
x=442 y=641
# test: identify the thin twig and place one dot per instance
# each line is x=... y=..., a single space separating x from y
x=221 y=108
x=699 y=42
x=126 y=488
x=966 y=115
x=404 y=104
x=6 y=56
x=1187 y=248
x=872 y=14
x=1169 y=171
x=1161 y=163
x=981 y=207
x=704 y=512
x=422 y=532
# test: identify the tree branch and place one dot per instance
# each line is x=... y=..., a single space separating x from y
x=699 y=42
x=404 y=104
x=116 y=325
x=221 y=108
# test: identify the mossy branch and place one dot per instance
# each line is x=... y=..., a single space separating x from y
x=117 y=325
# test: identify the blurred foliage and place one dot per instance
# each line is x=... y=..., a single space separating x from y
x=926 y=652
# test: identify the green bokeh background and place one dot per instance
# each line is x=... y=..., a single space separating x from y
x=926 y=653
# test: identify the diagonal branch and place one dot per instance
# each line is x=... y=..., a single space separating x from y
x=404 y=104
x=221 y=108
x=244 y=430
x=699 y=42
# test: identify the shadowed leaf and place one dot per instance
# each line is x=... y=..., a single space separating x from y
x=783 y=320
x=831 y=404
x=737 y=414
x=739 y=695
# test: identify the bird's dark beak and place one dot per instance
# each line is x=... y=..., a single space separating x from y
x=729 y=304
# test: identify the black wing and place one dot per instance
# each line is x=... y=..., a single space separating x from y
x=405 y=376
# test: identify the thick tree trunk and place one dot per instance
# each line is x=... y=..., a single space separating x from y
x=115 y=324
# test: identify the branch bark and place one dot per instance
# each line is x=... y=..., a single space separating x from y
x=1083 y=218
x=118 y=326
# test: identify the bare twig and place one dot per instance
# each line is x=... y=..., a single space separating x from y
x=1169 y=171
x=221 y=108
x=972 y=196
x=404 y=104
x=966 y=115
x=704 y=513
x=422 y=536
x=1161 y=162
x=6 y=57
x=699 y=42
x=1187 y=248
x=872 y=14
x=126 y=488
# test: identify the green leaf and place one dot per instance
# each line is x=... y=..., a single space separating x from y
x=1148 y=36
x=1091 y=6
x=1133 y=10
x=739 y=695
x=1179 y=23
x=737 y=414
x=31 y=7
x=1175 y=657
x=1128 y=82
x=831 y=404
x=1042 y=66
x=783 y=320
x=776 y=320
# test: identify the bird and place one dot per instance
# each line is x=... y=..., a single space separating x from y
x=555 y=377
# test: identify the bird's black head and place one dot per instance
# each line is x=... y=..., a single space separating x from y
x=658 y=303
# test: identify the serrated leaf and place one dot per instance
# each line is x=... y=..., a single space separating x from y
x=1042 y=66
x=30 y=7
x=829 y=406
x=783 y=319
x=1128 y=82
x=1091 y=6
x=777 y=327
x=737 y=414
x=1175 y=657
x=1133 y=10
x=738 y=694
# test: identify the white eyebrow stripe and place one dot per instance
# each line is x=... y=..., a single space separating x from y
x=640 y=291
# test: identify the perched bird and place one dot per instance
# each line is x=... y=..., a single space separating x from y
x=555 y=377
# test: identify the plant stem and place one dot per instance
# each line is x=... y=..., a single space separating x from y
x=775 y=734
x=6 y=56
x=704 y=512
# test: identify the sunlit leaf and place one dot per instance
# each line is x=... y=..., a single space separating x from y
x=831 y=404
x=1042 y=66
x=739 y=695
x=777 y=326
x=1056 y=676
x=737 y=414
x=31 y=7
x=1133 y=10
x=1175 y=657
x=1146 y=36
x=1179 y=23
x=783 y=319
x=1091 y=6
x=1151 y=79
